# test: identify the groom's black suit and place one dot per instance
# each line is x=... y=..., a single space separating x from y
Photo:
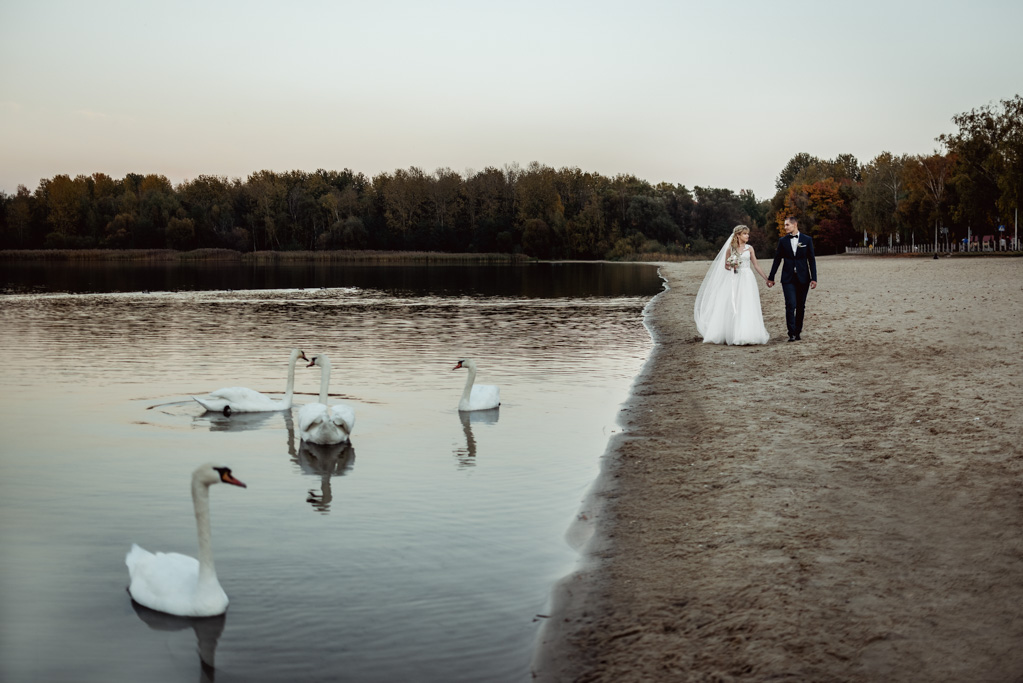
x=800 y=268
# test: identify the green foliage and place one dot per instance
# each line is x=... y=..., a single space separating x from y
x=16 y=219
x=988 y=169
x=821 y=194
x=716 y=213
x=537 y=239
x=796 y=165
x=586 y=234
x=181 y=233
x=118 y=231
x=65 y=200
x=649 y=216
x=880 y=195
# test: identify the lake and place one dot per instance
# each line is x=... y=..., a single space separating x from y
x=426 y=551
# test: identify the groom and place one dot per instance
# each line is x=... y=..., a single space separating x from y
x=798 y=276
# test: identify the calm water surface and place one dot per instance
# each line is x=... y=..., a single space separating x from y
x=423 y=552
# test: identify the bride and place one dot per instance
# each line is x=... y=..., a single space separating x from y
x=727 y=309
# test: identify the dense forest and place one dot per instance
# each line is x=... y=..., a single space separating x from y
x=974 y=182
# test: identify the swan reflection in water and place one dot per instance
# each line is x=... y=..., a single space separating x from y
x=325 y=461
x=467 y=456
x=239 y=422
x=320 y=460
x=207 y=633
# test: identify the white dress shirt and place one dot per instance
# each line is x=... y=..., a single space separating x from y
x=795 y=242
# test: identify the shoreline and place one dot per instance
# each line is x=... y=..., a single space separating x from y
x=844 y=508
x=572 y=594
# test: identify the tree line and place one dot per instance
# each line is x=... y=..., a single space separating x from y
x=974 y=182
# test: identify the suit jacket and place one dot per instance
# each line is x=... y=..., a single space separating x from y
x=800 y=266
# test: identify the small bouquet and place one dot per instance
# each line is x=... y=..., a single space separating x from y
x=733 y=263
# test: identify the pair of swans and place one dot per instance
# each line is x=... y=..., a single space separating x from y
x=319 y=423
x=325 y=424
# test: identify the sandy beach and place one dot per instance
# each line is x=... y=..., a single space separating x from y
x=844 y=508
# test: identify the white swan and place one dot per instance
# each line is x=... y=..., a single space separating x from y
x=322 y=423
x=176 y=583
x=477 y=396
x=243 y=400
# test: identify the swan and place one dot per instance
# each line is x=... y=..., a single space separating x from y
x=477 y=396
x=243 y=400
x=179 y=584
x=322 y=423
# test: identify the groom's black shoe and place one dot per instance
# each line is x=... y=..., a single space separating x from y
x=798 y=338
x=793 y=337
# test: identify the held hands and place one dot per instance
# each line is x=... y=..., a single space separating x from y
x=813 y=284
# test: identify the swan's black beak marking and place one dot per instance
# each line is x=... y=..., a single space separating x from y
x=457 y=366
x=311 y=362
x=228 y=478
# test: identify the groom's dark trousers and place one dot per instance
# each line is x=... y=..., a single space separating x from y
x=795 y=305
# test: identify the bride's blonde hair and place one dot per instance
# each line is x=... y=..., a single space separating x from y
x=734 y=246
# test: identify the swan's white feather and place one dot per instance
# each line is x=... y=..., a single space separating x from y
x=169 y=582
x=325 y=425
x=321 y=423
x=482 y=397
x=476 y=396
x=175 y=583
x=240 y=400
x=245 y=400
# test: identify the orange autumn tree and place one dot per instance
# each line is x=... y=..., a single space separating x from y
x=822 y=208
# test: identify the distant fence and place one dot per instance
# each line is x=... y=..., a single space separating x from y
x=926 y=249
x=904 y=248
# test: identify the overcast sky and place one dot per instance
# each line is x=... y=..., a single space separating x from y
x=718 y=94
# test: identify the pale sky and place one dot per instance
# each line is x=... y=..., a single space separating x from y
x=718 y=94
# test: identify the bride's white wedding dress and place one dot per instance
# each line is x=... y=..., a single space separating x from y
x=727 y=309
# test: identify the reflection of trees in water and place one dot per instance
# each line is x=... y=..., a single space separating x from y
x=467 y=456
x=207 y=633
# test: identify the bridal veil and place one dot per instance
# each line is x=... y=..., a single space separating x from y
x=715 y=292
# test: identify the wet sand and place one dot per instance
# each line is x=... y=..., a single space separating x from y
x=844 y=508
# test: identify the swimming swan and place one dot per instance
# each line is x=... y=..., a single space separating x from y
x=477 y=396
x=243 y=400
x=322 y=423
x=176 y=583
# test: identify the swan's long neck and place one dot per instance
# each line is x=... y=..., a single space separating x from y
x=201 y=502
x=469 y=381
x=324 y=378
x=289 y=391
